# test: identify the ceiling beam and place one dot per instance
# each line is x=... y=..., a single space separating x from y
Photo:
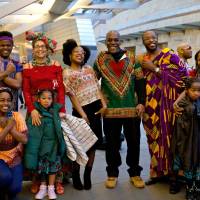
x=161 y=30
x=43 y=18
x=190 y=26
x=60 y=6
x=78 y=4
x=24 y=27
x=113 y=5
x=169 y=29
x=14 y=6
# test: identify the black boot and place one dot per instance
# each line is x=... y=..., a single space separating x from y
x=87 y=178
x=174 y=187
x=174 y=184
x=76 y=180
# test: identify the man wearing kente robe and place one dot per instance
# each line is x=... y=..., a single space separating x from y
x=164 y=73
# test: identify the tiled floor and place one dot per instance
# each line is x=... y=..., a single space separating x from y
x=123 y=191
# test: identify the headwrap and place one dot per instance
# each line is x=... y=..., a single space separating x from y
x=6 y=38
x=31 y=36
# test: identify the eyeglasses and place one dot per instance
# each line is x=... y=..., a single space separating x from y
x=79 y=52
x=40 y=47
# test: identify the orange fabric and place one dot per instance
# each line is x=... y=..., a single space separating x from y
x=13 y=156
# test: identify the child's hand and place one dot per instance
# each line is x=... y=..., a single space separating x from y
x=35 y=115
x=177 y=109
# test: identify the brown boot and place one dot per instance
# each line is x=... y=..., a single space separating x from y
x=111 y=182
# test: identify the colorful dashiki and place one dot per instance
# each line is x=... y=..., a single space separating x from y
x=18 y=68
x=118 y=83
x=162 y=89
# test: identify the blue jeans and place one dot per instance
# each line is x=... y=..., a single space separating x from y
x=10 y=179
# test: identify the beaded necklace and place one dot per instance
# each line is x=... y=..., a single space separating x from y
x=46 y=63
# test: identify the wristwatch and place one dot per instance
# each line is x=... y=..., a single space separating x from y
x=157 y=69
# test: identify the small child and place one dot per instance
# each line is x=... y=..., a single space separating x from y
x=46 y=144
x=186 y=139
x=13 y=133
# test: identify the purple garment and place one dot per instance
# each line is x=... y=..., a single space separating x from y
x=18 y=68
x=162 y=90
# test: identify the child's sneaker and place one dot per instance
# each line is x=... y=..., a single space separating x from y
x=51 y=192
x=42 y=192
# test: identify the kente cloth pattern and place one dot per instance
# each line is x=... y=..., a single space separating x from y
x=118 y=83
x=161 y=92
x=79 y=138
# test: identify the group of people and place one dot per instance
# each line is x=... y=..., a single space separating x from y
x=153 y=87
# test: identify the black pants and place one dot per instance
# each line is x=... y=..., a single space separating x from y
x=95 y=120
x=112 y=130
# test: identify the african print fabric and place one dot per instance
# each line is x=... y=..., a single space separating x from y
x=162 y=89
x=82 y=83
x=118 y=83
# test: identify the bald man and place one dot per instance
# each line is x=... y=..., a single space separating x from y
x=164 y=81
x=120 y=79
x=185 y=52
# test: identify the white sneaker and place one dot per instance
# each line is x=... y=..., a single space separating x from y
x=51 y=192
x=42 y=192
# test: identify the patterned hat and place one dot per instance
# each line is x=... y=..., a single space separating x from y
x=31 y=36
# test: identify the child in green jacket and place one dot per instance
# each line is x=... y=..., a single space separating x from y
x=46 y=144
